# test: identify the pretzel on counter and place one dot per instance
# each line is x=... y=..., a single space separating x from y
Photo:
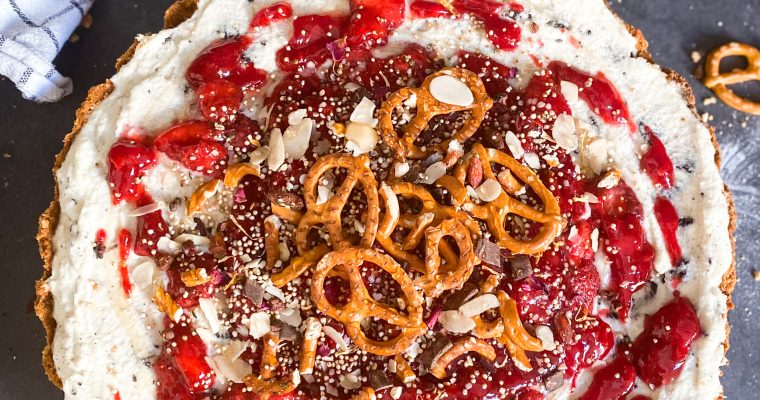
x=328 y=213
x=494 y=213
x=718 y=81
x=427 y=108
x=432 y=213
x=361 y=305
x=461 y=346
x=265 y=384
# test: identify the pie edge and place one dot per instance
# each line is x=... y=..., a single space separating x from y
x=182 y=10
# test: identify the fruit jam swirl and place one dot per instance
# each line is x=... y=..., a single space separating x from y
x=243 y=320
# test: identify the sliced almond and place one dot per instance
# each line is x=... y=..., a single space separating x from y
x=291 y=316
x=258 y=156
x=489 y=190
x=532 y=160
x=208 y=308
x=232 y=370
x=564 y=132
x=434 y=172
x=456 y=322
x=569 y=91
x=545 y=334
x=361 y=138
x=335 y=336
x=142 y=274
x=296 y=138
x=146 y=209
x=514 y=145
x=479 y=304
x=450 y=90
x=597 y=155
x=400 y=169
x=610 y=179
x=295 y=117
x=276 y=156
x=258 y=325
x=364 y=113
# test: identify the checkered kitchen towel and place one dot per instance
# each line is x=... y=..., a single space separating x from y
x=32 y=33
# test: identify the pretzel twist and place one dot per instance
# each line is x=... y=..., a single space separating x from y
x=719 y=82
x=329 y=212
x=427 y=108
x=459 y=267
x=361 y=305
x=494 y=213
x=462 y=346
x=432 y=213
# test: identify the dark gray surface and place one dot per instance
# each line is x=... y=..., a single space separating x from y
x=30 y=135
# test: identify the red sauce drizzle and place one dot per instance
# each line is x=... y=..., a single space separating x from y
x=601 y=96
x=667 y=217
x=100 y=238
x=656 y=163
x=117 y=396
x=125 y=244
x=660 y=351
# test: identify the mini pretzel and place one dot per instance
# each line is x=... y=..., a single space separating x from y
x=264 y=384
x=427 y=108
x=272 y=241
x=298 y=265
x=329 y=212
x=361 y=305
x=404 y=370
x=366 y=393
x=434 y=283
x=309 y=346
x=513 y=327
x=494 y=213
x=718 y=82
x=461 y=346
x=521 y=360
x=414 y=223
x=232 y=177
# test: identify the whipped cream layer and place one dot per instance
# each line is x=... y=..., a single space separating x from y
x=105 y=342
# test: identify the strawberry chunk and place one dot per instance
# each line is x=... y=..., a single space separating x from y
x=187 y=353
x=150 y=228
x=219 y=101
x=194 y=145
x=171 y=385
x=613 y=381
x=128 y=161
x=224 y=60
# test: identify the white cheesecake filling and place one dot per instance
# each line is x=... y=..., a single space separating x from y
x=104 y=342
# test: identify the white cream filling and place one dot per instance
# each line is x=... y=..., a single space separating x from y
x=104 y=342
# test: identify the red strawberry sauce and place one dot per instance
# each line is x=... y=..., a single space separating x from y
x=125 y=245
x=565 y=283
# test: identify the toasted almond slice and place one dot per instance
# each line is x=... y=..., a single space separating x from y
x=610 y=179
x=489 y=190
x=364 y=113
x=569 y=91
x=259 y=155
x=479 y=305
x=296 y=138
x=564 y=132
x=450 y=90
x=258 y=325
x=545 y=334
x=361 y=138
x=276 y=155
x=456 y=322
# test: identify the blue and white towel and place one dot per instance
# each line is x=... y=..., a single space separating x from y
x=32 y=32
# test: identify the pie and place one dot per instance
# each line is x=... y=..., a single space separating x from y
x=388 y=200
